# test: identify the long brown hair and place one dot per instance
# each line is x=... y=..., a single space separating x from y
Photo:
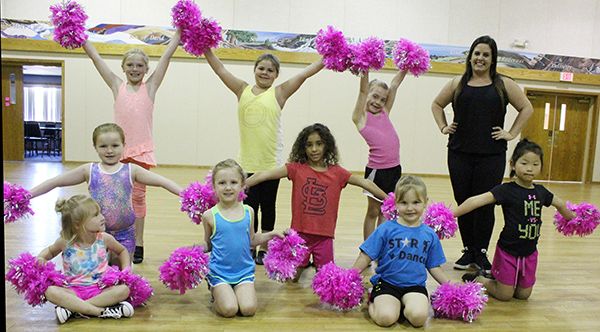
x=330 y=154
x=494 y=75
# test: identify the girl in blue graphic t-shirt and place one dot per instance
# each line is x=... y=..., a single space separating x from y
x=405 y=250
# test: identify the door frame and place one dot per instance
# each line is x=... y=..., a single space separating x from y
x=592 y=130
x=53 y=63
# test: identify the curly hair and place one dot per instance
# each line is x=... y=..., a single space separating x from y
x=330 y=154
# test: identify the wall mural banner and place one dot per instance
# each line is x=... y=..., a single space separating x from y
x=291 y=42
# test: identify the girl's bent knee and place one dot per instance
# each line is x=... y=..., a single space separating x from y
x=385 y=320
x=248 y=311
x=228 y=311
x=416 y=318
x=123 y=293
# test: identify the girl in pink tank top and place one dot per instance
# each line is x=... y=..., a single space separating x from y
x=371 y=117
x=134 y=105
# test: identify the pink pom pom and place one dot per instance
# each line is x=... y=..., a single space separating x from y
x=196 y=199
x=68 y=19
x=334 y=48
x=338 y=287
x=16 y=202
x=33 y=278
x=185 y=14
x=586 y=221
x=410 y=56
x=139 y=288
x=369 y=54
x=388 y=208
x=456 y=301
x=284 y=256
x=197 y=38
x=441 y=219
x=185 y=269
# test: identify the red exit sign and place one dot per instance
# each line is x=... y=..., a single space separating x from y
x=566 y=77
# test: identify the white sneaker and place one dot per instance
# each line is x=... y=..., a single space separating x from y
x=126 y=309
x=62 y=314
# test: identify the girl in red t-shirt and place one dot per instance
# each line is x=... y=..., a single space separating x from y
x=317 y=184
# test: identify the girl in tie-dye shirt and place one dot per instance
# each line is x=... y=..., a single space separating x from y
x=84 y=246
x=111 y=183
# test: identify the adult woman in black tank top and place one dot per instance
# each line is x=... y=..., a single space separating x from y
x=478 y=140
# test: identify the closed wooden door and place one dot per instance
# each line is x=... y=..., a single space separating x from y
x=12 y=112
x=559 y=125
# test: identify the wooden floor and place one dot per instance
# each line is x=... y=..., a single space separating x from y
x=566 y=296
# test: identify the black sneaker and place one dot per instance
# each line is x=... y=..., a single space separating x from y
x=465 y=261
x=481 y=261
x=138 y=255
x=123 y=309
x=62 y=314
x=260 y=257
x=473 y=276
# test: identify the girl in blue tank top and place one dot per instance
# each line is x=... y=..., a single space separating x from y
x=229 y=234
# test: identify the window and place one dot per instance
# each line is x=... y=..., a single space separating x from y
x=42 y=94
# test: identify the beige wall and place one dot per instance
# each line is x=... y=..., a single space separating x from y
x=195 y=119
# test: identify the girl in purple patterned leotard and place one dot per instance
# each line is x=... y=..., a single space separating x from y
x=111 y=182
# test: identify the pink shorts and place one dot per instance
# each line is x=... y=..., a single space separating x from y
x=138 y=194
x=514 y=270
x=321 y=248
x=86 y=292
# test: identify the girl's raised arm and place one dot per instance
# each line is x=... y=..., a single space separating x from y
x=234 y=84
x=368 y=185
x=70 y=178
x=289 y=87
x=157 y=76
x=389 y=102
x=261 y=176
x=111 y=79
x=359 y=116
x=474 y=202
x=148 y=178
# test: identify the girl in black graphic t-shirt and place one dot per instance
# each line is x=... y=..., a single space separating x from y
x=515 y=260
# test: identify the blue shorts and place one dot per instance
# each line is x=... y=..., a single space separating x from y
x=214 y=280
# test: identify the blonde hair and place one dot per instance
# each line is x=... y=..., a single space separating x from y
x=228 y=163
x=75 y=211
x=136 y=51
x=107 y=128
x=378 y=83
x=408 y=183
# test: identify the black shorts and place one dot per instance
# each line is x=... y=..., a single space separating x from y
x=386 y=178
x=383 y=287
